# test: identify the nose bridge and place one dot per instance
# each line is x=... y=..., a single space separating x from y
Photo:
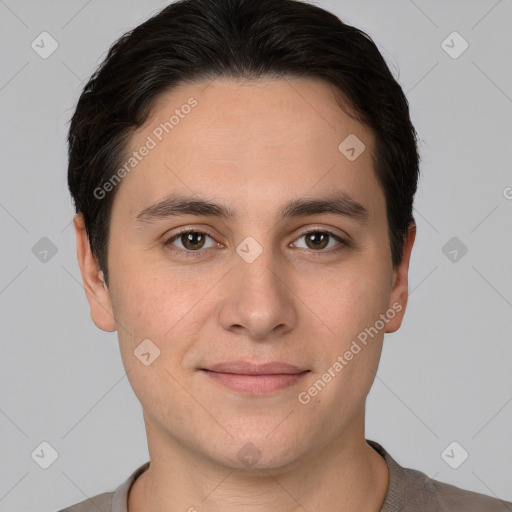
x=259 y=301
x=255 y=274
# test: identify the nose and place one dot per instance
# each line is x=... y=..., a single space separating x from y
x=260 y=303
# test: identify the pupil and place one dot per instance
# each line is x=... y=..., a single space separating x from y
x=318 y=240
x=190 y=237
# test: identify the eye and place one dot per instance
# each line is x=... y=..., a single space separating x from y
x=190 y=240
x=319 y=240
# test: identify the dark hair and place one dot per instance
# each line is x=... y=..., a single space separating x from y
x=195 y=40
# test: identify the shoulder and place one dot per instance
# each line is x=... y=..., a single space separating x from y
x=99 y=503
x=116 y=501
x=427 y=494
x=412 y=490
x=454 y=499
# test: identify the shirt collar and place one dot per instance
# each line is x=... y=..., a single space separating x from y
x=120 y=498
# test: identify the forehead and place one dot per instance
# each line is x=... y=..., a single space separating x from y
x=246 y=139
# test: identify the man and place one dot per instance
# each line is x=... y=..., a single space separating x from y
x=243 y=173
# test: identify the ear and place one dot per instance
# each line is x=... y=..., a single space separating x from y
x=95 y=288
x=400 y=289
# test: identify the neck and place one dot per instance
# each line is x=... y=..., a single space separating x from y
x=346 y=475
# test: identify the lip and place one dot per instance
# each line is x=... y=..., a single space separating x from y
x=248 y=368
x=250 y=378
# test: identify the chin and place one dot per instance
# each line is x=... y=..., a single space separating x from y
x=258 y=454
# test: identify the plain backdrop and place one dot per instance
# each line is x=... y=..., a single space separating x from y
x=444 y=377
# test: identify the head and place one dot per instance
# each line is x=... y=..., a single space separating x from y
x=277 y=135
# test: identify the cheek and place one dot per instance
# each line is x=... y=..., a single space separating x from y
x=146 y=295
x=142 y=305
x=151 y=308
x=350 y=300
x=352 y=347
x=166 y=306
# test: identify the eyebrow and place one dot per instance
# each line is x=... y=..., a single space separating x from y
x=176 y=205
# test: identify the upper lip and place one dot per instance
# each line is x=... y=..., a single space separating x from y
x=248 y=368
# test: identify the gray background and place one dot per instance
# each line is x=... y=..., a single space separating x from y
x=445 y=376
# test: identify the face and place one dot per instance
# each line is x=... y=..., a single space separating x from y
x=289 y=262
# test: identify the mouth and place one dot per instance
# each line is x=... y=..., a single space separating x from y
x=252 y=378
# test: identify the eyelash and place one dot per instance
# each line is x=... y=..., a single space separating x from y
x=194 y=254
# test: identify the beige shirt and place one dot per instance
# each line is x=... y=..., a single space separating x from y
x=409 y=490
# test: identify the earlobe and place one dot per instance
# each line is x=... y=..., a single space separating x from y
x=400 y=290
x=95 y=288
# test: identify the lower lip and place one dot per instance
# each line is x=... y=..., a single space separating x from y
x=256 y=384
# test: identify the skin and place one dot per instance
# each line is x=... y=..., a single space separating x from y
x=252 y=146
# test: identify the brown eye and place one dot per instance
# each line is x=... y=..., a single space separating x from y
x=317 y=240
x=190 y=241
